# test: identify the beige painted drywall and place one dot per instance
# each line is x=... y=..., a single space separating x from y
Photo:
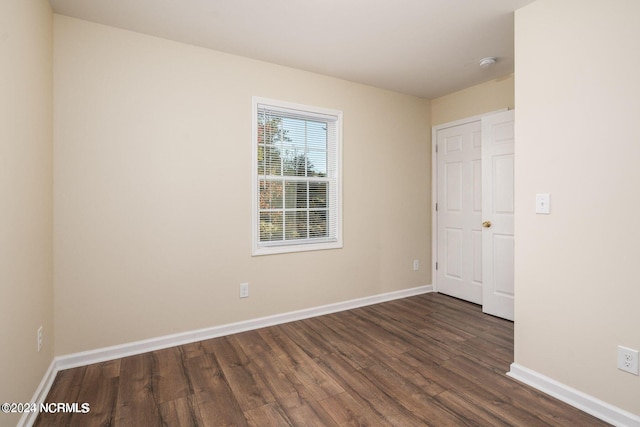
x=153 y=189
x=578 y=138
x=26 y=260
x=475 y=100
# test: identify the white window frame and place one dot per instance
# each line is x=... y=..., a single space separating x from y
x=335 y=159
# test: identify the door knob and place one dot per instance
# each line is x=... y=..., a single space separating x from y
x=486 y=224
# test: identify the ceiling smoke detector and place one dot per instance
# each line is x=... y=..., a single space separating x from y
x=487 y=62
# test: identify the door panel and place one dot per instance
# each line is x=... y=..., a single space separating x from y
x=477 y=186
x=503 y=184
x=454 y=260
x=477 y=257
x=453 y=187
x=460 y=212
x=502 y=268
x=498 y=147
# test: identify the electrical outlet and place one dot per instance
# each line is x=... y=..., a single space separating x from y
x=39 y=338
x=628 y=360
x=244 y=290
x=416 y=265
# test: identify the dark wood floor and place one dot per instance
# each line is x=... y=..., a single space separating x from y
x=428 y=360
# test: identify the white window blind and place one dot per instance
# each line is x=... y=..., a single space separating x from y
x=297 y=190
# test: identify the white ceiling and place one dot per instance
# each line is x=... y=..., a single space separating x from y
x=426 y=48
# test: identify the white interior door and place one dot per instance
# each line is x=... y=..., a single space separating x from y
x=459 y=212
x=498 y=147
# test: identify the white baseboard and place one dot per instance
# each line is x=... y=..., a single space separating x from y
x=573 y=397
x=115 y=352
x=28 y=418
x=589 y=404
x=138 y=347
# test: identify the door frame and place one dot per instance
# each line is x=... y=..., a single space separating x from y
x=434 y=185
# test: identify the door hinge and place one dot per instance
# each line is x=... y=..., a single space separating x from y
x=436 y=265
x=436 y=207
x=436 y=148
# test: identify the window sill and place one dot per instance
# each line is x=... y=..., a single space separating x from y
x=303 y=247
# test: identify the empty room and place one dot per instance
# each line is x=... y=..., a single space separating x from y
x=319 y=213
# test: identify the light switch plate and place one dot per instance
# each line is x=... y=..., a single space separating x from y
x=543 y=203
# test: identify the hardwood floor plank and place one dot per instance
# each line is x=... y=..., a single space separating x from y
x=170 y=380
x=137 y=400
x=507 y=389
x=347 y=411
x=304 y=412
x=416 y=401
x=278 y=378
x=411 y=319
x=195 y=349
x=212 y=394
x=248 y=388
x=290 y=393
x=347 y=343
x=379 y=337
x=358 y=383
x=443 y=336
x=475 y=392
x=306 y=336
x=220 y=409
x=251 y=343
x=489 y=356
x=468 y=410
x=267 y=415
x=500 y=335
x=108 y=369
x=454 y=332
x=182 y=412
x=100 y=390
x=65 y=388
x=315 y=380
x=408 y=373
x=410 y=336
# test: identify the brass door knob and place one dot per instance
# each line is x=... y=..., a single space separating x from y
x=486 y=224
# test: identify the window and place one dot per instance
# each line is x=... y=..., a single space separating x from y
x=296 y=177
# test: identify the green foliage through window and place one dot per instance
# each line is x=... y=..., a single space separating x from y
x=297 y=192
x=292 y=167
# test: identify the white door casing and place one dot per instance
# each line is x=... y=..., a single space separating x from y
x=498 y=148
x=459 y=211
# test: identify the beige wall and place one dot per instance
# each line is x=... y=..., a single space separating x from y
x=153 y=189
x=479 y=99
x=26 y=277
x=152 y=231
x=578 y=138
